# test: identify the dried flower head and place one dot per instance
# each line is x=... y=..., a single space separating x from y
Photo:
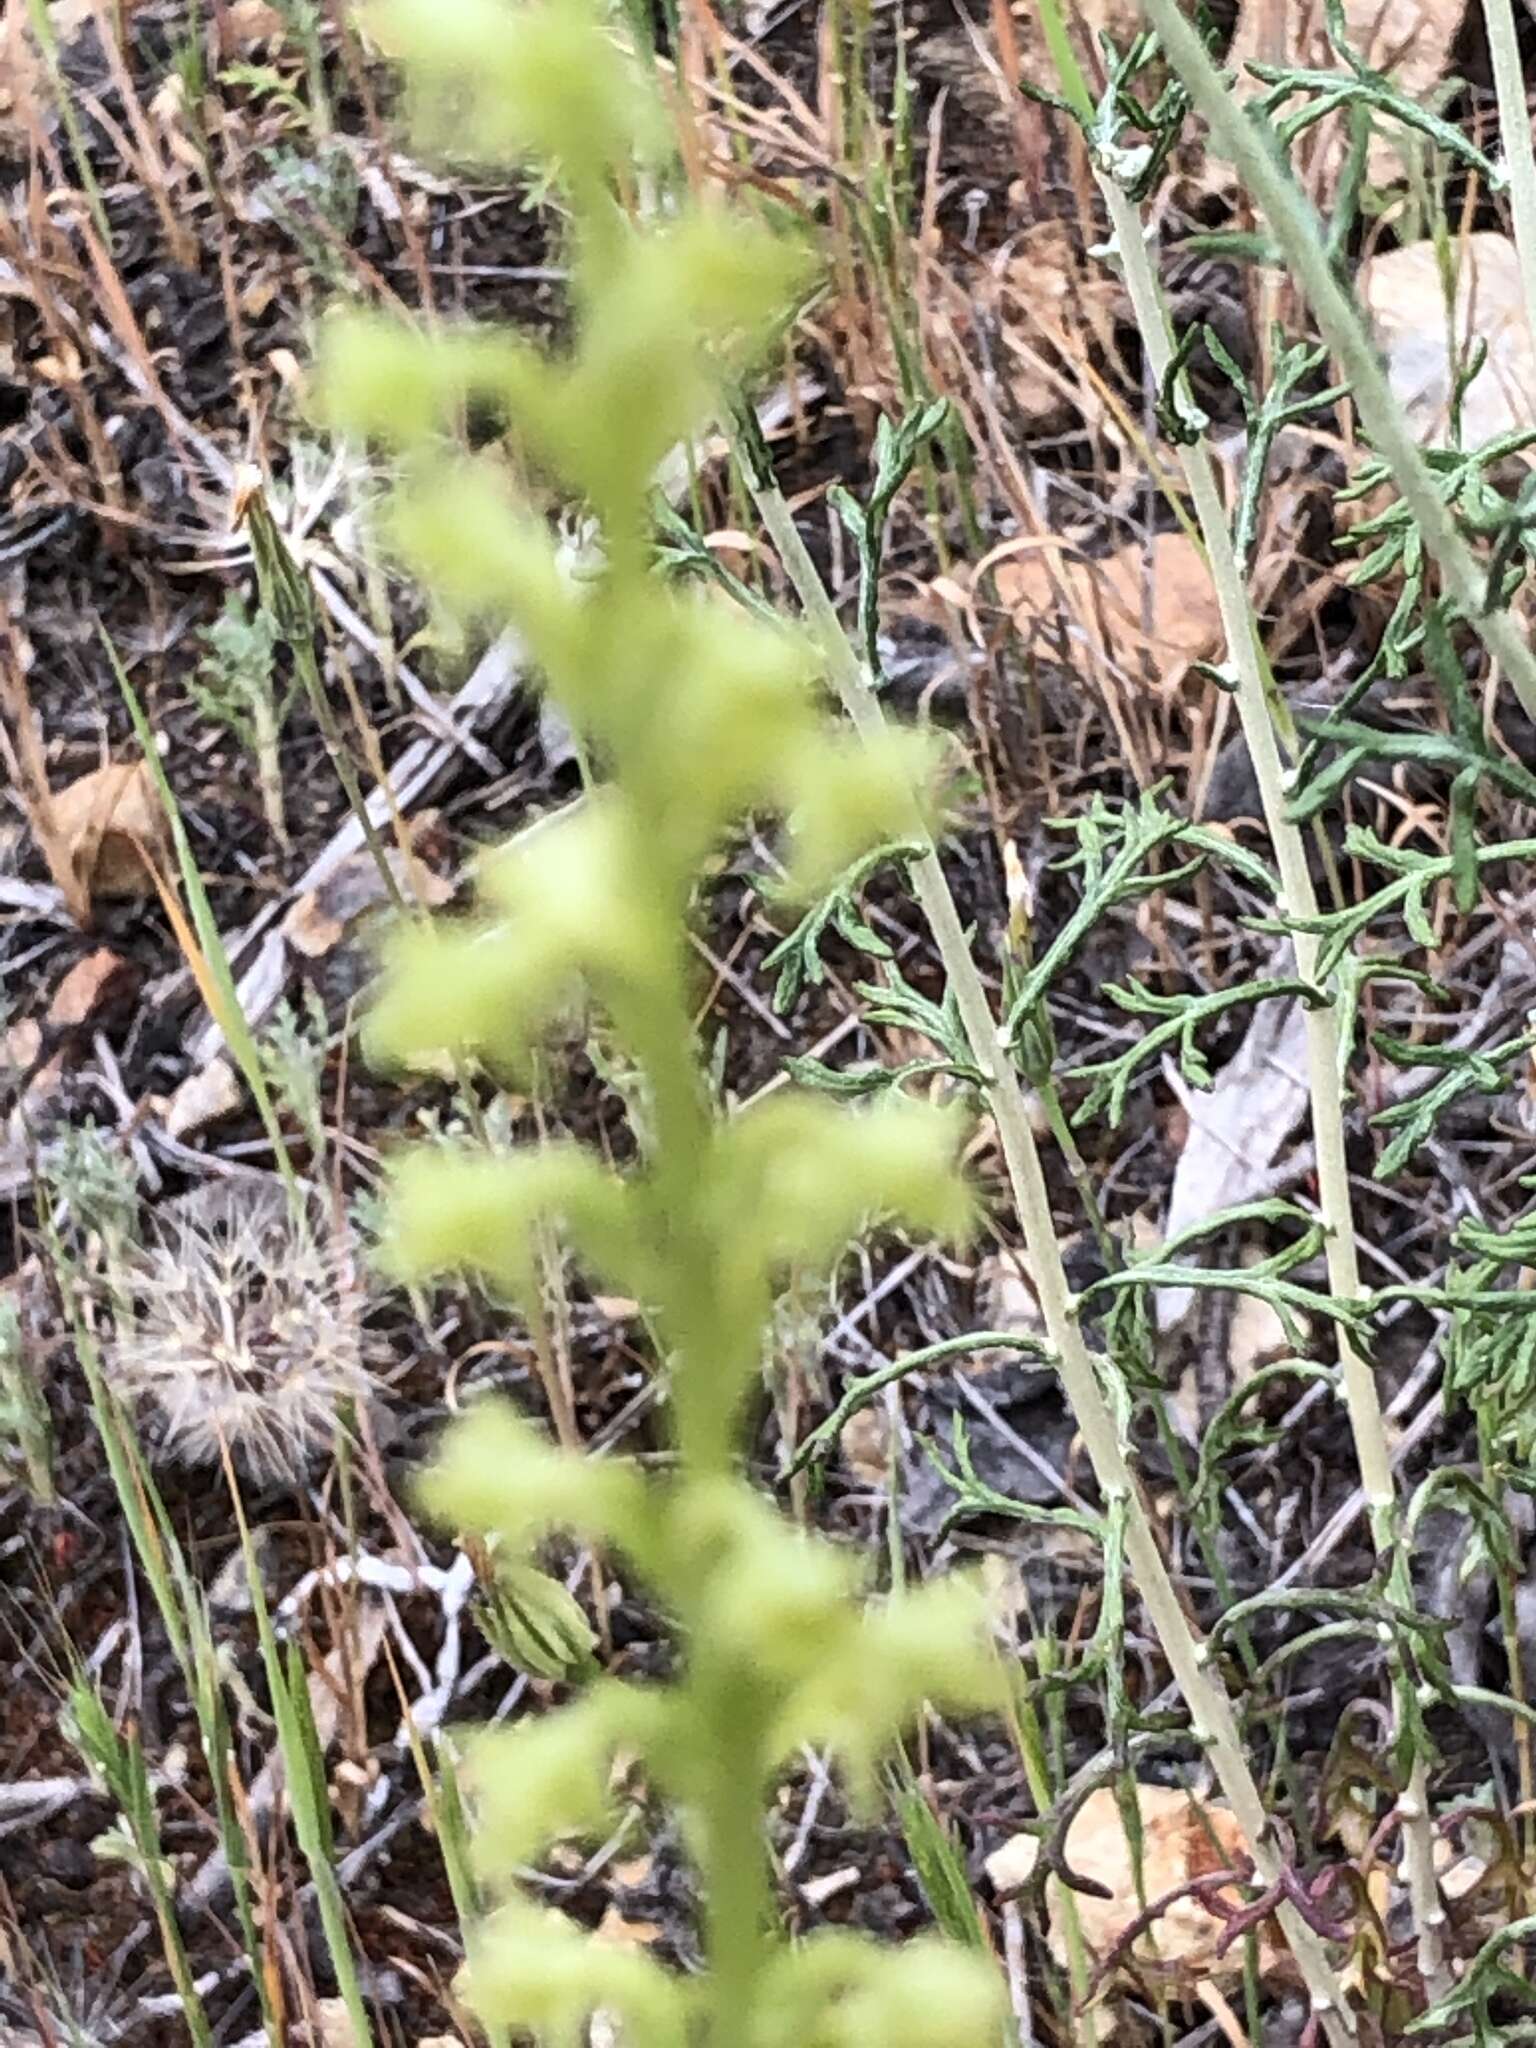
x=243 y=1323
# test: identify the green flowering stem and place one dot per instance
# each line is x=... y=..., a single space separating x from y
x=1296 y=228
x=1209 y=1707
x=1325 y=1052
x=697 y=714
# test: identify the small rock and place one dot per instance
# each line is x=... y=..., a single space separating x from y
x=1010 y=1868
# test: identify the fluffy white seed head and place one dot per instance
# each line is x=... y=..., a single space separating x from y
x=242 y=1324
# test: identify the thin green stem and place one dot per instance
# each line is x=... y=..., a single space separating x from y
x=1295 y=226
x=1209 y=1707
x=1324 y=1063
x=1515 y=132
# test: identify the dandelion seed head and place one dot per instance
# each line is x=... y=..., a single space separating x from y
x=242 y=1323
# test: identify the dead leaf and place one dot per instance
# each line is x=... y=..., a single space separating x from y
x=205 y=1097
x=1182 y=1838
x=1405 y=300
x=108 y=832
x=621 y=1933
x=21 y=1046
x=1037 y=301
x=248 y=22
x=91 y=985
x=865 y=1443
x=1257 y=1335
x=332 y=2026
x=616 y=1308
x=1236 y=1130
x=68 y=17
x=322 y=916
x=1158 y=603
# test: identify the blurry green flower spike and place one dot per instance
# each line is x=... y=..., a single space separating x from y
x=846 y=795
x=499 y=81
x=694 y=715
x=543 y=1780
x=496 y=1475
x=808 y=1173
x=379 y=377
x=534 y=1971
x=457 y=527
x=456 y=1208
x=927 y=1645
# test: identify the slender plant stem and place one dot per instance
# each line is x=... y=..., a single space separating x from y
x=1324 y=1066
x=1209 y=1708
x=1515 y=131
x=1295 y=226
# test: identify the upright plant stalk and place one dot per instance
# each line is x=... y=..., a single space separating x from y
x=1324 y=1064
x=1209 y=1708
x=1295 y=226
x=698 y=716
x=1515 y=129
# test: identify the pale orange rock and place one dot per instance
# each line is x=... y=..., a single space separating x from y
x=1154 y=605
x=1404 y=298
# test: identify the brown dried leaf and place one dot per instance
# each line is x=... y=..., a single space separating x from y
x=248 y=22
x=1106 y=599
x=1402 y=293
x=91 y=985
x=1257 y=1336
x=322 y=916
x=865 y=1442
x=107 y=834
x=333 y=2026
x=1182 y=1839
x=621 y=1933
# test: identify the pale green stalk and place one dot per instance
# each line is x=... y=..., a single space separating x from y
x=1324 y=1064
x=1209 y=1708
x=1295 y=226
x=1515 y=129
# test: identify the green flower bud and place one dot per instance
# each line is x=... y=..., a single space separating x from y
x=537 y=1973
x=500 y=82
x=535 y=1624
x=549 y=1778
x=495 y=1475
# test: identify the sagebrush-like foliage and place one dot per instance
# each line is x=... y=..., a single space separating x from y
x=695 y=714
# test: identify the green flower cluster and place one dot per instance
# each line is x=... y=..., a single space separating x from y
x=695 y=714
